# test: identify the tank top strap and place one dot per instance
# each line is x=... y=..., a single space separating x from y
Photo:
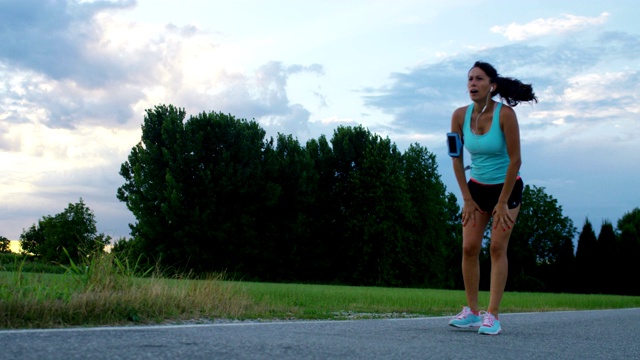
x=496 y=114
x=467 y=118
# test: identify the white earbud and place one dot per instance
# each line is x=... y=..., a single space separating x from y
x=491 y=89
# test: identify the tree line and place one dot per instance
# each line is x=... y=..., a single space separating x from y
x=212 y=194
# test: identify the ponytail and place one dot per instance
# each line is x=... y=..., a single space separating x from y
x=513 y=91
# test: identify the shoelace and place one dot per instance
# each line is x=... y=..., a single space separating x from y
x=463 y=314
x=487 y=319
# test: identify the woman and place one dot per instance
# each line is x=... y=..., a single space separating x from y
x=489 y=131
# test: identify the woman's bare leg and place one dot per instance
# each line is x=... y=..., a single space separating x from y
x=499 y=264
x=472 y=235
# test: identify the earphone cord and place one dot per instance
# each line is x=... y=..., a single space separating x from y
x=483 y=109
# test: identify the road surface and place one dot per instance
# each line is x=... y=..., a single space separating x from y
x=602 y=334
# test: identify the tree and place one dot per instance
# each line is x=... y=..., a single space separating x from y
x=150 y=185
x=325 y=228
x=5 y=245
x=73 y=230
x=369 y=190
x=391 y=215
x=453 y=246
x=285 y=221
x=195 y=189
x=540 y=233
x=586 y=258
x=211 y=194
x=607 y=250
x=434 y=237
x=629 y=252
x=562 y=276
x=30 y=240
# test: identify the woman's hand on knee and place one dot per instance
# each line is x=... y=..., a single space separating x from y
x=502 y=217
x=469 y=210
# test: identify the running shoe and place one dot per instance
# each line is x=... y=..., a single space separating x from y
x=466 y=318
x=490 y=325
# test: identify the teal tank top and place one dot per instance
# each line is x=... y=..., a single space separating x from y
x=489 y=157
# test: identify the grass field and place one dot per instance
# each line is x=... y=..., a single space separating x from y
x=107 y=292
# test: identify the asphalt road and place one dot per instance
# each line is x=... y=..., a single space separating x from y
x=603 y=334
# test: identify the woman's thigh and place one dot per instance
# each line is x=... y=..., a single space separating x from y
x=473 y=234
x=500 y=237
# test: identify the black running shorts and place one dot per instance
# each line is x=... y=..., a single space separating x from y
x=486 y=196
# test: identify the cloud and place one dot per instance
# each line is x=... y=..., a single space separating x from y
x=540 y=27
x=578 y=81
x=55 y=68
x=75 y=79
x=337 y=120
x=74 y=88
x=624 y=44
x=77 y=64
x=261 y=95
x=51 y=37
x=420 y=100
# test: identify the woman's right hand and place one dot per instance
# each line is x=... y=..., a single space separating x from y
x=469 y=210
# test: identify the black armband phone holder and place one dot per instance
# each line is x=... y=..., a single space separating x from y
x=454 y=143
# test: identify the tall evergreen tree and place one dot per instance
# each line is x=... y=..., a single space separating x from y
x=562 y=276
x=586 y=259
x=607 y=254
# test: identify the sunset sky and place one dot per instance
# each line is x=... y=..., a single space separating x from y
x=77 y=76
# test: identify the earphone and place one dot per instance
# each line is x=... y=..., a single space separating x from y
x=491 y=89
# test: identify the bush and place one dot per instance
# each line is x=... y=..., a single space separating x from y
x=26 y=263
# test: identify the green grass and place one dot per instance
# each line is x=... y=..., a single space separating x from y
x=338 y=302
x=105 y=291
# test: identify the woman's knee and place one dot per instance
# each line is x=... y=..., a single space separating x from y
x=498 y=249
x=471 y=249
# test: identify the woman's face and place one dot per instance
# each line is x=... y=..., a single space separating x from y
x=479 y=84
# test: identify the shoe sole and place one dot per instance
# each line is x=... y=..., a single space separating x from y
x=467 y=326
x=490 y=333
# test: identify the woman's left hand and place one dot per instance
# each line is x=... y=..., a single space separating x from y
x=502 y=217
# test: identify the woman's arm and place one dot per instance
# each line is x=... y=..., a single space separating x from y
x=470 y=207
x=511 y=131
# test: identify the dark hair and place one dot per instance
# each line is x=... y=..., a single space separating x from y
x=510 y=89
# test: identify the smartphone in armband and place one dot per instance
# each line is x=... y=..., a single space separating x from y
x=454 y=144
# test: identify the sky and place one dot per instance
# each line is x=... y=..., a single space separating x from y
x=77 y=76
